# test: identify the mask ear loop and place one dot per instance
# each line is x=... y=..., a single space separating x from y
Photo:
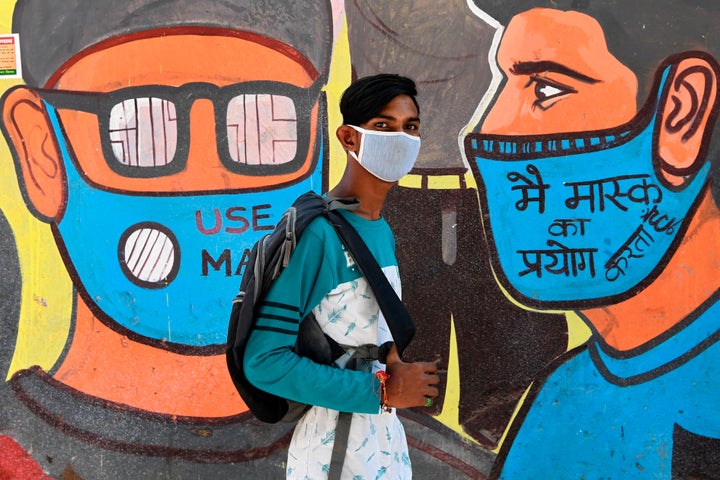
x=358 y=156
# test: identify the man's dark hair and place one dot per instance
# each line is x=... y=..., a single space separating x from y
x=366 y=97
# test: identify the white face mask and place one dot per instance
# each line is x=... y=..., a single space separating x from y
x=387 y=155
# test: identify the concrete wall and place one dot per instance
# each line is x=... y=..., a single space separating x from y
x=123 y=237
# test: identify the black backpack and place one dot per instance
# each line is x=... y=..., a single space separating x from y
x=268 y=257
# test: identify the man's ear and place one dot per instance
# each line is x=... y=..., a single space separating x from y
x=38 y=159
x=687 y=117
x=349 y=138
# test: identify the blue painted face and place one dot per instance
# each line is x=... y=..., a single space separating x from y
x=582 y=220
x=165 y=268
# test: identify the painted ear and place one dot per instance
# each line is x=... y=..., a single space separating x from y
x=39 y=162
x=688 y=118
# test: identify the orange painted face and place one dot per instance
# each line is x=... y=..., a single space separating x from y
x=242 y=118
x=560 y=77
x=563 y=153
x=173 y=153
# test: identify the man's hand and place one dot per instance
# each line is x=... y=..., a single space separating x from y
x=410 y=384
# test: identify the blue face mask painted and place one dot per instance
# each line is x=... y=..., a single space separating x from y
x=579 y=221
x=165 y=268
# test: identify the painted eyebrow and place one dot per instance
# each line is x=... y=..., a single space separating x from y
x=529 y=68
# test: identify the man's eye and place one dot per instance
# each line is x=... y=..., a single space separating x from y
x=546 y=90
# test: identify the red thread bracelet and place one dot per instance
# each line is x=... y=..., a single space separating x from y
x=383 y=377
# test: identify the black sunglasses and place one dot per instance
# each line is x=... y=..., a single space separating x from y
x=262 y=127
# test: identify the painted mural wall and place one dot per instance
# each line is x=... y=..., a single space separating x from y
x=556 y=236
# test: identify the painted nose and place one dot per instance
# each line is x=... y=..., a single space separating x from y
x=204 y=166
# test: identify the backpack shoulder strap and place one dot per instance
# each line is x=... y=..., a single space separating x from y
x=396 y=315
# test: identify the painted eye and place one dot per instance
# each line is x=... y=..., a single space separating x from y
x=545 y=91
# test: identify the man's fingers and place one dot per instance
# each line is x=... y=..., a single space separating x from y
x=433 y=379
x=431 y=391
x=429 y=367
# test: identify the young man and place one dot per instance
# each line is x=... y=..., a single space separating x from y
x=380 y=134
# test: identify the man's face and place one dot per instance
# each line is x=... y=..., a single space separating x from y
x=560 y=77
x=387 y=144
